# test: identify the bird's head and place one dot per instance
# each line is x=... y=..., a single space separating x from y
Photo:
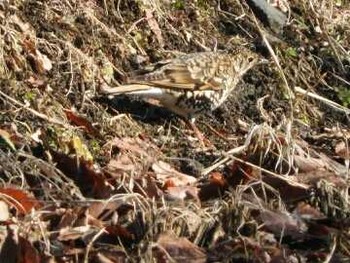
x=245 y=60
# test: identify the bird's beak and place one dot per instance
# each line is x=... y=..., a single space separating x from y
x=263 y=61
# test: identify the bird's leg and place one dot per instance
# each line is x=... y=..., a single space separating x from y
x=204 y=141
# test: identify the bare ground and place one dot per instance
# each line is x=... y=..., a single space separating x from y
x=89 y=179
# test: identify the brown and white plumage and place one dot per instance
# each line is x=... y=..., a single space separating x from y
x=191 y=83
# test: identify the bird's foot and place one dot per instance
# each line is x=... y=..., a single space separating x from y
x=205 y=142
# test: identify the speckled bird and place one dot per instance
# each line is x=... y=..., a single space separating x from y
x=191 y=83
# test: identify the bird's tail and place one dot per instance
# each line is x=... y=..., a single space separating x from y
x=126 y=89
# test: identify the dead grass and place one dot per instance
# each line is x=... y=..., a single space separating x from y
x=80 y=176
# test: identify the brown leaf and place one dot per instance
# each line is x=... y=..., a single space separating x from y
x=6 y=137
x=214 y=187
x=28 y=254
x=289 y=188
x=153 y=24
x=69 y=218
x=44 y=62
x=170 y=247
x=134 y=156
x=4 y=211
x=9 y=246
x=123 y=163
x=313 y=177
x=182 y=193
x=307 y=163
x=39 y=62
x=147 y=185
x=89 y=179
x=284 y=224
x=242 y=246
x=19 y=199
x=81 y=122
x=16 y=248
x=138 y=147
x=29 y=45
x=36 y=82
x=218 y=179
x=306 y=211
x=73 y=233
x=164 y=172
x=119 y=231
x=110 y=256
x=104 y=208
x=306 y=159
x=94 y=179
x=342 y=149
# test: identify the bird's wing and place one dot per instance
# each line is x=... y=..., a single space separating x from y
x=192 y=72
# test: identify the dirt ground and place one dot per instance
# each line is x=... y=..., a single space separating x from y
x=86 y=178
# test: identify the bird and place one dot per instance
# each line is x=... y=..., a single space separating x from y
x=192 y=83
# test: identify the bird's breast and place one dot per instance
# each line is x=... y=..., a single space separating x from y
x=200 y=100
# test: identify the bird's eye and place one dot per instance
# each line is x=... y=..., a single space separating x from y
x=250 y=59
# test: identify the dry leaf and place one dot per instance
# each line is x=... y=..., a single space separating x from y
x=119 y=231
x=19 y=199
x=306 y=211
x=16 y=248
x=284 y=224
x=6 y=138
x=165 y=173
x=28 y=254
x=43 y=62
x=36 y=82
x=68 y=218
x=307 y=164
x=39 y=62
x=81 y=149
x=136 y=146
x=104 y=208
x=23 y=27
x=342 y=149
x=313 y=177
x=218 y=179
x=121 y=164
x=81 y=122
x=89 y=178
x=9 y=247
x=4 y=211
x=170 y=247
x=110 y=256
x=135 y=154
x=73 y=233
x=182 y=193
x=153 y=24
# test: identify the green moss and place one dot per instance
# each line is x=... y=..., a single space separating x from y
x=51 y=137
x=30 y=96
x=344 y=95
x=291 y=52
x=202 y=3
x=178 y=4
x=94 y=147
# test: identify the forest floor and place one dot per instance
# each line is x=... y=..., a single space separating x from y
x=85 y=178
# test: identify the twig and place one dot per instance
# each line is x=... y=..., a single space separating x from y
x=36 y=113
x=281 y=177
x=331 y=253
x=223 y=161
x=89 y=246
x=323 y=99
x=275 y=58
x=71 y=78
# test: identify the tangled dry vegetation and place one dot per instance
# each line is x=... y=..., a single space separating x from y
x=88 y=179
